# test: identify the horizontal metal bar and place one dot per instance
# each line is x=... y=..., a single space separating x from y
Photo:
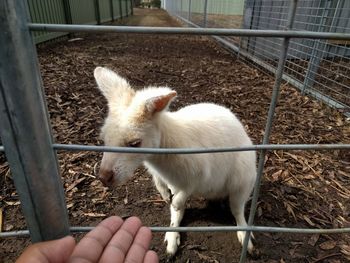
x=2 y=148
x=187 y=31
x=82 y=229
x=76 y=147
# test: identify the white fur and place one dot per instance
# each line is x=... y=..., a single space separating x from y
x=202 y=125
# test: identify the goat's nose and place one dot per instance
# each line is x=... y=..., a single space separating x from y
x=106 y=177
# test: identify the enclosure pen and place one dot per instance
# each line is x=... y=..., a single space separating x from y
x=316 y=67
x=27 y=138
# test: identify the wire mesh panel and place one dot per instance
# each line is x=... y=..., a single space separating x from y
x=317 y=67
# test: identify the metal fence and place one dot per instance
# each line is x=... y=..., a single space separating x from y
x=71 y=12
x=26 y=132
x=316 y=67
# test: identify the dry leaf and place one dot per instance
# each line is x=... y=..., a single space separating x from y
x=8 y=227
x=94 y=215
x=275 y=176
x=308 y=220
x=308 y=177
x=313 y=239
x=345 y=250
x=330 y=244
x=290 y=209
x=206 y=258
x=12 y=203
x=75 y=183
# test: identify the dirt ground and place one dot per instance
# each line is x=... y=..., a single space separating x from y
x=307 y=189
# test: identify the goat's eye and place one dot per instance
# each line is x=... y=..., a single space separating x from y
x=134 y=143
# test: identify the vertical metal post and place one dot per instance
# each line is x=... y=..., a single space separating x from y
x=97 y=11
x=266 y=139
x=112 y=11
x=25 y=128
x=132 y=7
x=319 y=47
x=126 y=8
x=205 y=13
x=189 y=10
x=67 y=12
x=121 y=9
x=181 y=8
x=248 y=10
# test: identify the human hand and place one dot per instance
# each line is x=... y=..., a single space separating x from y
x=113 y=240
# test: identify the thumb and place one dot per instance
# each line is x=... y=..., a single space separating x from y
x=55 y=251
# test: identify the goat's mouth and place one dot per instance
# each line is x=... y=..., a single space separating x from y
x=107 y=181
x=109 y=178
x=113 y=180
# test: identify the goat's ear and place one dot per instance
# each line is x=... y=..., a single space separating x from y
x=160 y=103
x=111 y=84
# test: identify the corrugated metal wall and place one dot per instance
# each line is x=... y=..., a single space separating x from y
x=47 y=11
x=105 y=10
x=117 y=9
x=76 y=12
x=83 y=11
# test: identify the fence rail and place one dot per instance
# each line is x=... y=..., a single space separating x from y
x=188 y=31
x=18 y=125
x=82 y=229
x=272 y=147
x=268 y=147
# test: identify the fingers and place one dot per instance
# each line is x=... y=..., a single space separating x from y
x=119 y=245
x=49 y=251
x=111 y=241
x=90 y=248
x=140 y=245
x=130 y=244
x=151 y=257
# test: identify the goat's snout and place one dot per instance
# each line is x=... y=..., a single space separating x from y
x=106 y=177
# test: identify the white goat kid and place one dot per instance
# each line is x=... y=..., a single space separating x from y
x=140 y=119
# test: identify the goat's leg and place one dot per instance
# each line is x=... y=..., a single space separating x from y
x=162 y=188
x=237 y=204
x=177 y=210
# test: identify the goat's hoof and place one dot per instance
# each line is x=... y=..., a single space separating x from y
x=241 y=236
x=173 y=242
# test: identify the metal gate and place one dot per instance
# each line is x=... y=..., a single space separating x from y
x=26 y=133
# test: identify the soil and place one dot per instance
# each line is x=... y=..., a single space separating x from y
x=308 y=189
